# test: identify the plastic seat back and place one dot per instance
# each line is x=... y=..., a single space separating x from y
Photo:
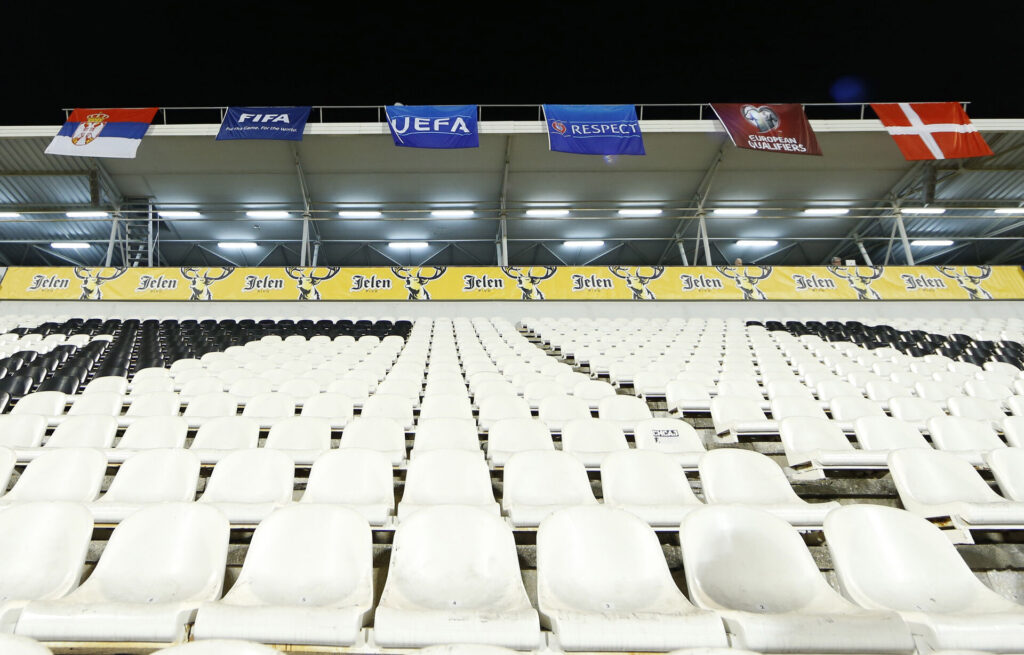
x=443 y=433
x=353 y=476
x=957 y=433
x=791 y=406
x=1007 y=465
x=924 y=476
x=212 y=404
x=887 y=433
x=106 y=403
x=448 y=477
x=22 y=430
x=741 y=558
x=270 y=406
x=84 y=431
x=155 y=432
x=545 y=477
x=914 y=410
x=167 y=553
x=71 y=474
x=251 y=476
x=155 y=476
x=43 y=403
x=227 y=433
x=592 y=559
x=887 y=558
x=734 y=476
x=300 y=433
x=308 y=555
x=806 y=434
x=642 y=477
x=850 y=408
x=42 y=549
x=161 y=403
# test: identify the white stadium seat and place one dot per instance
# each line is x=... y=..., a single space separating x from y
x=247 y=485
x=889 y=559
x=672 y=437
x=307 y=579
x=591 y=439
x=159 y=564
x=539 y=482
x=147 y=477
x=512 y=435
x=754 y=570
x=70 y=474
x=1007 y=466
x=447 y=477
x=649 y=484
x=454 y=578
x=603 y=585
x=744 y=477
x=355 y=478
x=42 y=552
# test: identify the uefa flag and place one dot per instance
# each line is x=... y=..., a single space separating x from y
x=769 y=128
x=932 y=130
x=102 y=133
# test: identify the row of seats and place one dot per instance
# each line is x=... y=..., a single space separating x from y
x=602 y=582
x=248 y=484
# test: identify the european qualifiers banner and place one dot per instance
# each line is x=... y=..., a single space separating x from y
x=273 y=123
x=525 y=283
x=768 y=128
x=594 y=129
x=427 y=126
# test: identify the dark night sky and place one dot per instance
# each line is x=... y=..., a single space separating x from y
x=436 y=53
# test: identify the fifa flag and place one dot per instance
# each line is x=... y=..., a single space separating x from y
x=594 y=129
x=429 y=126
x=274 y=123
x=102 y=133
x=770 y=128
x=932 y=130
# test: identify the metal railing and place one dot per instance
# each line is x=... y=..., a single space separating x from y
x=190 y=115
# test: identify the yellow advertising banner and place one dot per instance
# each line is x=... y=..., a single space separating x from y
x=517 y=283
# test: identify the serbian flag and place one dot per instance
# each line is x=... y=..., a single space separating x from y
x=102 y=133
x=932 y=130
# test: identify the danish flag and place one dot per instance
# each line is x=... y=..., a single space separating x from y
x=932 y=130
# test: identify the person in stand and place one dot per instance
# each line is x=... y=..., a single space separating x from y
x=836 y=261
x=737 y=262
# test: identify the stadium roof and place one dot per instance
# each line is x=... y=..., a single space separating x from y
x=690 y=170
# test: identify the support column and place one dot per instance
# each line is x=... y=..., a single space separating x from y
x=903 y=238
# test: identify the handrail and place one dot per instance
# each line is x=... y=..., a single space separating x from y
x=321 y=113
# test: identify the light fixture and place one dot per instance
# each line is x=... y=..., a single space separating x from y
x=359 y=213
x=931 y=242
x=86 y=214
x=237 y=245
x=923 y=210
x=757 y=243
x=640 y=212
x=268 y=213
x=734 y=211
x=1001 y=210
x=452 y=213
x=10 y=215
x=583 y=244
x=548 y=213
x=69 y=245
x=826 y=211
x=174 y=213
x=408 y=244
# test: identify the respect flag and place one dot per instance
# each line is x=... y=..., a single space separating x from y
x=932 y=130
x=275 y=123
x=594 y=129
x=102 y=133
x=771 y=128
x=428 y=126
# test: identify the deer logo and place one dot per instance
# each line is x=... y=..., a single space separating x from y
x=93 y=278
x=416 y=279
x=529 y=281
x=307 y=279
x=637 y=279
x=201 y=280
x=971 y=283
x=746 y=279
x=859 y=278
